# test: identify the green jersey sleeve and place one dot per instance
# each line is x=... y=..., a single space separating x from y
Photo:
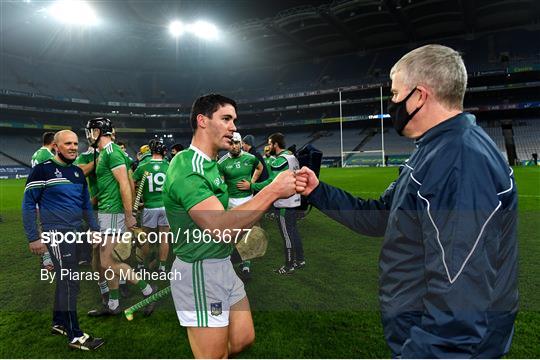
x=137 y=175
x=117 y=159
x=280 y=164
x=255 y=162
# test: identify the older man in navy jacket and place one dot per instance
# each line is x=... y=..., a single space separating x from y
x=448 y=263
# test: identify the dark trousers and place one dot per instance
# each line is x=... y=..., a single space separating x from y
x=292 y=243
x=64 y=256
x=84 y=250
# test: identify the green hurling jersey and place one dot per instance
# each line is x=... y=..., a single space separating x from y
x=109 y=198
x=268 y=162
x=193 y=177
x=86 y=158
x=275 y=166
x=41 y=155
x=153 y=185
x=146 y=157
x=235 y=169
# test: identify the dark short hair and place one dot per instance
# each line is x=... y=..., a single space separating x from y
x=208 y=105
x=278 y=138
x=121 y=143
x=47 y=137
x=177 y=147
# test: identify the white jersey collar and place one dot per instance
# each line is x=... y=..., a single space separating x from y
x=199 y=151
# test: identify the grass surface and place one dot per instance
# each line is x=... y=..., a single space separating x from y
x=328 y=310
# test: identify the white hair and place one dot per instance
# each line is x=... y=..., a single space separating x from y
x=437 y=67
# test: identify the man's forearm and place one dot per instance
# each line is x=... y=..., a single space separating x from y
x=256 y=174
x=87 y=168
x=241 y=217
x=127 y=198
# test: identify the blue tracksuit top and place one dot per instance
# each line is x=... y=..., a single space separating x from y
x=448 y=262
x=61 y=192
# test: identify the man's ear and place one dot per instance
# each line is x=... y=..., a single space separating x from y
x=202 y=121
x=423 y=95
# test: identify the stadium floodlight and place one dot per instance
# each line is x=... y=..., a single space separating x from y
x=74 y=12
x=176 y=28
x=204 y=30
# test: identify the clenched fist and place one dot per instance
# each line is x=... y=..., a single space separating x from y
x=306 y=181
x=284 y=185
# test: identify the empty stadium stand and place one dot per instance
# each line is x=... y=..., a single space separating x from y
x=527 y=138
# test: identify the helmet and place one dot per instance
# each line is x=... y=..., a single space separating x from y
x=236 y=137
x=144 y=149
x=157 y=147
x=103 y=124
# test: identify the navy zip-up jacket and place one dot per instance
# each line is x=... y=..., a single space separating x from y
x=448 y=263
x=61 y=192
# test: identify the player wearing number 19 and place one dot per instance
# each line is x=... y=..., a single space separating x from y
x=114 y=208
x=153 y=216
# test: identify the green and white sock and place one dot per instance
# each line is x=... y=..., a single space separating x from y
x=145 y=287
x=103 y=287
x=113 y=299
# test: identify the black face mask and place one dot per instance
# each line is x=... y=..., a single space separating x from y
x=398 y=113
x=64 y=159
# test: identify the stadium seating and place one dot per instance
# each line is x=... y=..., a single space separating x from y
x=5 y=161
x=20 y=147
x=527 y=138
x=495 y=132
x=101 y=85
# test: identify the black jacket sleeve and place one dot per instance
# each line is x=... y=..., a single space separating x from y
x=367 y=217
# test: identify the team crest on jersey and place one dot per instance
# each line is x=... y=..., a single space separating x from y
x=216 y=309
x=155 y=167
x=58 y=173
x=76 y=174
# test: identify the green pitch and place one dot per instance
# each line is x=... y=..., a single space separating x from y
x=329 y=309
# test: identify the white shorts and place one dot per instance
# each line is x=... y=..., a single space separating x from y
x=152 y=218
x=111 y=223
x=206 y=292
x=238 y=201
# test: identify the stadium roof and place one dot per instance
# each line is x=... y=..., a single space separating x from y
x=133 y=33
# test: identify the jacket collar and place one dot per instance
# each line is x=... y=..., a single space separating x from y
x=460 y=121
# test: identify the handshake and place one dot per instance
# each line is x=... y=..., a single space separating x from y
x=289 y=183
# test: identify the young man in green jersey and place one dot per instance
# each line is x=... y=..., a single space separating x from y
x=153 y=215
x=45 y=152
x=235 y=166
x=210 y=299
x=285 y=212
x=87 y=161
x=115 y=215
x=239 y=165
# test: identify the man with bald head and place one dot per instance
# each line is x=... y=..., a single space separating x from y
x=61 y=191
